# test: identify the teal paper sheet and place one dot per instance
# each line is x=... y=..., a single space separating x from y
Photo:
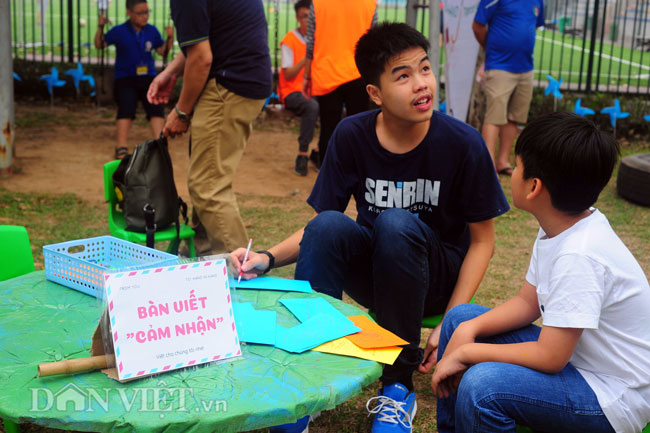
x=273 y=283
x=305 y=309
x=313 y=332
x=254 y=326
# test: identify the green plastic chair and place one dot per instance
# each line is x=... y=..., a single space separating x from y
x=117 y=225
x=16 y=258
x=15 y=252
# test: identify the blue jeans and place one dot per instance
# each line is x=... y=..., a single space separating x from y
x=494 y=396
x=399 y=269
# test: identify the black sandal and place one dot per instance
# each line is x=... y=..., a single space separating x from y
x=121 y=152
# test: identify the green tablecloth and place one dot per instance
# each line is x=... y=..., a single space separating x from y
x=41 y=321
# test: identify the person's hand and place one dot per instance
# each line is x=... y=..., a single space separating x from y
x=480 y=74
x=254 y=266
x=101 y=21
x=170 y=32
x=306 y=87
x=174 y=126
x=431 y=351
x=464 y=334
x=448 y=374
x=161 y=88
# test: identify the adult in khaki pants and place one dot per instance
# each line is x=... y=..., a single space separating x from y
x=226 y=72
x=506 y=29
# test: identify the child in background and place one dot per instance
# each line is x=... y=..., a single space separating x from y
x=587 y=368
x=134 y=67
x=290 y=87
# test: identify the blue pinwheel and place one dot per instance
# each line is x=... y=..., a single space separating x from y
x=614 y=113
x=647 y=118
x=17 y=77
x=273 y=95
x=78 y=76
x=582 y=111
x=52 y=81
x=443 y=107
x=553 y=87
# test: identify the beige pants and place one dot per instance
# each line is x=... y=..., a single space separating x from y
x=508 y=96
x=220 y=127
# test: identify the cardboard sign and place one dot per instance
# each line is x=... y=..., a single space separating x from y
x=170 y=317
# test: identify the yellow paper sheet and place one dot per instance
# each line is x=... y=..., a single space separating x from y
x=343 y=346
x=373 y=336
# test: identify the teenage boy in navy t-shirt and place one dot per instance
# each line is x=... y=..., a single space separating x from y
x=426 y=193
x=134 y=67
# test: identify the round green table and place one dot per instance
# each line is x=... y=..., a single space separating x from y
x=41 y=321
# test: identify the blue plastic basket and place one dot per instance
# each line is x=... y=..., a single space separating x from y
x=81 y=264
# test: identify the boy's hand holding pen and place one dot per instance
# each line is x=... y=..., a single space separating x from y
x=249 y=264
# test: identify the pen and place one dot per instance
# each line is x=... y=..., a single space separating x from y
x=248 y=250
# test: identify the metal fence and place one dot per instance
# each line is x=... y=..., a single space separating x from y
x=601 y=45
x=62 y=31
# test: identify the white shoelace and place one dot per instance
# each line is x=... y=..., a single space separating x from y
x=389 y=410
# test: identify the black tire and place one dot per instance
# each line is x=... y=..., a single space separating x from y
x=633 y=181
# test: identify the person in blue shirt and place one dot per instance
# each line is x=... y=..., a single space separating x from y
x=506 y=29
x=426 y=194
x=134 y=68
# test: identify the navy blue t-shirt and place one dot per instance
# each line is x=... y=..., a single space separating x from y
x=133 y=48
x=448 y=180
x=238 y=39
x=511 y=32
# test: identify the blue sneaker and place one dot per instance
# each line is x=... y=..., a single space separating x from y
x=395 y=409
x=300 y=426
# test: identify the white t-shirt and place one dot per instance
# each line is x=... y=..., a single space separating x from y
x=286 y=53
x=587 y=278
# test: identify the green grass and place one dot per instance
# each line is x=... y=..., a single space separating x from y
x=50 y=219
x=561 y=55
x=36 y=119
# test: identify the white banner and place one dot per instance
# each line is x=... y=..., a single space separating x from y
x=461 y=50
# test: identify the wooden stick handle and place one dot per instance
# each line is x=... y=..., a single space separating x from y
x=72 y=365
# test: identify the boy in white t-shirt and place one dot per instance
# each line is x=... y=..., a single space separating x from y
x=587 y=368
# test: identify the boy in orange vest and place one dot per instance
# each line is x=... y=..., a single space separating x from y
x=293 y=48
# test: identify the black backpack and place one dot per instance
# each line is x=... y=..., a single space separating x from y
x=149 y=199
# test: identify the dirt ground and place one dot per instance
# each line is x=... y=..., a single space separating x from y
x=62 y=150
